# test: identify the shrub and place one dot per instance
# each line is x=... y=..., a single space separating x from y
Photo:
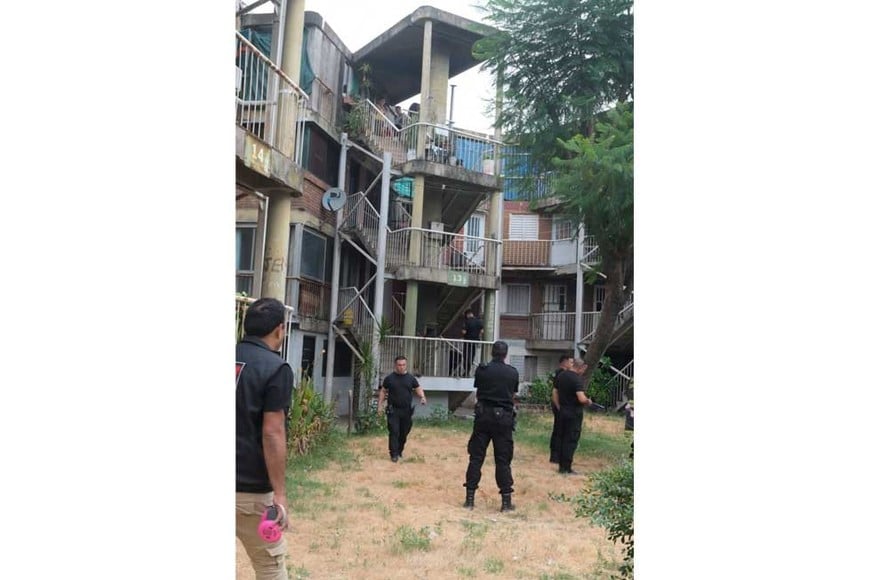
x=541 y=390
x=608 y=501
x=599 y=383
x=310 y=417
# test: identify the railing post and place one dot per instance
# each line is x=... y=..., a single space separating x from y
x=578 y=298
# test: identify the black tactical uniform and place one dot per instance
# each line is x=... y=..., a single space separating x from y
x=568 y=384
x=400 y=409
x=496 y=383
x=264 y=383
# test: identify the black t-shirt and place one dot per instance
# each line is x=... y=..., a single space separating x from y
x=473 y=327
x=399 y=389
x=496 y=382
x=264 y=383
x=569 y=384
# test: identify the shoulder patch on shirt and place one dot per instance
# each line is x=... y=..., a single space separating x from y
x=239 y=367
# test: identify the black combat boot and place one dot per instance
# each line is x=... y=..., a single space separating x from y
x=506 y=505
x=469 y=499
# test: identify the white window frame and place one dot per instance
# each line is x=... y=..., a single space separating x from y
x=325 y=250
x=523 y=226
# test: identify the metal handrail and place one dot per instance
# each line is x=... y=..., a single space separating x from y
x=270 y=64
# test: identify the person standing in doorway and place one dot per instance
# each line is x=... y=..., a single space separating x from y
x=397 y=388
x=569 y=395
x=495 y=385
x=566 y=361
x=264 y=385
x=472 y=329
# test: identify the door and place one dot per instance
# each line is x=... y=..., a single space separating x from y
x=473 y=249
x=554 y=319
x=564 y=245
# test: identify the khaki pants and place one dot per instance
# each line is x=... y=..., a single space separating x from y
x=267 y=558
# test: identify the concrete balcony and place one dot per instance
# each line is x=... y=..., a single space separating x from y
x=270 y=108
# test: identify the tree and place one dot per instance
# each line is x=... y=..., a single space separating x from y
x=596 y=185
x=561 y=62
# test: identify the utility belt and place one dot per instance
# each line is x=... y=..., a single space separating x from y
x=497 y=412
x=393 y=409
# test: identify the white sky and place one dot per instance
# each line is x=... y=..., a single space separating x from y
x=357 y=23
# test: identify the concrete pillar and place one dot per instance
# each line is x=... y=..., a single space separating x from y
x=439 y=79
x=291 y=59
x=490 y=315
x=294 y=268
x=277 y=245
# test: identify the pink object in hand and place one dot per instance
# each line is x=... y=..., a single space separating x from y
x=270 y=528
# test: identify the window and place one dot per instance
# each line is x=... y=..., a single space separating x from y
x=530 y=368
x=523 y=227
x=316 y=256
x=517 y=299
x=562 y=229
x=245 y=235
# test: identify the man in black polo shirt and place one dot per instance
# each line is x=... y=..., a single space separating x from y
x=496 y=385
x=397 y=388
x=569 y=396
x=472 y=329
x=264 y=383
x=566 y=361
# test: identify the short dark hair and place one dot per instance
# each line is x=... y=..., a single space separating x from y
x=400 y=357
x=499 y=349
x=565 y=357
x=263 y=316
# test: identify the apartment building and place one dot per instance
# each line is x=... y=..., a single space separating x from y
x=419 y=237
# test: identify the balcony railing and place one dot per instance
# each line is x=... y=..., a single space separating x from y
x=314 y=299
x=269 y=105
x=441 y=251
x=242 y=304
x=440 y=143
x=553 y=326
x=435 y=357
x=539 y=253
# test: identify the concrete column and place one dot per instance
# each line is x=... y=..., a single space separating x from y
x=417 y=219
x=439 y=79
x=425 y=88
x=336 y=275
x=490 y=315
x=381 y=259
x=291 y=59
x=277 y=245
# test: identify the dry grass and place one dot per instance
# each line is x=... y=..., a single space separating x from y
x=372 y=518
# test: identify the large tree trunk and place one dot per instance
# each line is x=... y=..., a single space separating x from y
x=613 y=301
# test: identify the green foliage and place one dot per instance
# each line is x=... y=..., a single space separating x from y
x=597 y=181
x=541 y=390
x=608 y=501
x=406 y=539
x=562 y=61
x=599 y=383
x=355 y=120
x=493 y=565
x=368 y=422
x=439 y=414
x=310 y=417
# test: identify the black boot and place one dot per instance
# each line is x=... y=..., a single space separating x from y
x=469 y=499
x=506 y=505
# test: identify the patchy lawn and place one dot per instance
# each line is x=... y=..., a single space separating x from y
x=358 y=515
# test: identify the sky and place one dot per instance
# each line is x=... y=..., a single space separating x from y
x=357 y=23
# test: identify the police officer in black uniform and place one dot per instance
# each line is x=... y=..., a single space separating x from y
x=569 y=397
x=264 y=386
x=496 y=384
x=397 y=388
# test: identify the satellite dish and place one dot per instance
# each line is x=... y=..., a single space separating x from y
x=334 y=199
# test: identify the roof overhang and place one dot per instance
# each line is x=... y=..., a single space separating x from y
x=396 y=56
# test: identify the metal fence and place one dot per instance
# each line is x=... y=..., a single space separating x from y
x=435 y=357
x=441 y=251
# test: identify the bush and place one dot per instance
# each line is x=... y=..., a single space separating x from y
x=368 y=421
x=608 y=501
x=310 y=417
x=541 y=391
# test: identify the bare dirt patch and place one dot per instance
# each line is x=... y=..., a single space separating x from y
x=373 y=518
